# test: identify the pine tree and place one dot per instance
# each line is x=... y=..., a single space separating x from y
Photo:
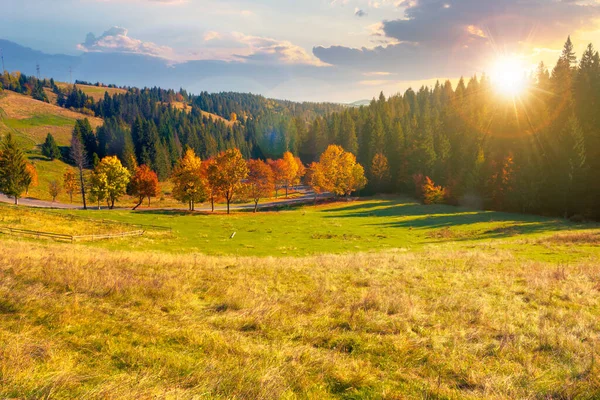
x=14 y=177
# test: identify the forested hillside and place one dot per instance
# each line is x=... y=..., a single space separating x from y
x=535 y=153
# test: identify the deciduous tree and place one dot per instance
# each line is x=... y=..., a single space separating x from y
x=54 y=189
x=144 y=184
x=260 y=181
x=70 y=183
x=34 y=177
x=290 y=171
x=79 y=156
x=227 y=174
x=380 y=171
x=342 y=175
x=279 y=168
x=189 y=185
x=116 y=178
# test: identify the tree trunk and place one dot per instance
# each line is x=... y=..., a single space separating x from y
x=82 y=188
x=212 y=203
x=148 y=201
x=16 y=200
x=286 y=191
x=228 y=201
x=255 y=206
x=138 y=204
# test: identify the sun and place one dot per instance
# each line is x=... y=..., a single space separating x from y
x=509 y=76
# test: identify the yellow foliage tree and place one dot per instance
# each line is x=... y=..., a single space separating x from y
x=341 y=173
x=380 y=170
x=291 y=170
x=70 y=183
x=115 y=176
x=189 y=185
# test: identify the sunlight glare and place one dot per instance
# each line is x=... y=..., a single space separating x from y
x=509 y=76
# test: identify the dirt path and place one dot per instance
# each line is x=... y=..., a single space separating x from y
x=306 y=198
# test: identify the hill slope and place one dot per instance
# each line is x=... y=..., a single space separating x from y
x=30 y=121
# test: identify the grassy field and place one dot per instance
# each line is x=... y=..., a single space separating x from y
x=443 y=323
x=31 y=120
x=430 y=302
x=371 y=225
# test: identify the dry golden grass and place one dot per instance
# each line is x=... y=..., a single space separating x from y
x=96 y=92
x=444 y=323
x=28 y=115
x=182 y=106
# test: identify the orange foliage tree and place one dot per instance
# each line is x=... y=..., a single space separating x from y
x=34 y=177
x=432 y=194
x=211 y=190
x=280 y=173
x=70 y=183
x=260 y=181
x=144 y=184
x=189 y=186
x=315 y=179
x=227 y=173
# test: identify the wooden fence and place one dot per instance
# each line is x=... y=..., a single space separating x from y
x=69 y=238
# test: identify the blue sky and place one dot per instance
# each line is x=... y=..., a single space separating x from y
x=352 y=48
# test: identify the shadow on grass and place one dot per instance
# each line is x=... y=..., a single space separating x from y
x=444 y=217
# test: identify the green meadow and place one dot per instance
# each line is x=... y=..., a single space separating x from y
x=347 y=227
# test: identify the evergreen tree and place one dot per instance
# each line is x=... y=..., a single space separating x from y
x=14 y=176
x=50 y=148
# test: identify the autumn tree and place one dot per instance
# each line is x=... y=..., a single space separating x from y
x=34 y=177
x=54 y=189
x=70 y=183
x=98 y=190
x=380 y=171
x=116 y=177
x=290 y=170
x=300 y=173
x=279 y=168
x=432 y=193
x=260 y=181
x=342 y=175
x=14 y=175
x=189 y=186
x=211 y=190
x=315 y=179
x=144 y=184
x=50 y=148
x=227 y=174
x=80 y=158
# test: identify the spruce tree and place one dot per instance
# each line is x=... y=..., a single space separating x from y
x=14 y=177
x=50 y=148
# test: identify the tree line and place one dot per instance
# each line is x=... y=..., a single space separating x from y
x=536 y=153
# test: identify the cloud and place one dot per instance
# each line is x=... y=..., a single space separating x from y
x=359 y=13
x=449 y=38
x=116 y=40
x=267 y=50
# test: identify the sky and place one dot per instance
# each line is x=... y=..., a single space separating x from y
x=319 y=50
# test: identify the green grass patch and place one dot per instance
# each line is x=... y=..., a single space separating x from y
x=38 y=120
x=361 y=226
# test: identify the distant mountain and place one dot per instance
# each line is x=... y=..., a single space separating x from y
x=24 y=59
x=360 y=103
x=275 y=81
